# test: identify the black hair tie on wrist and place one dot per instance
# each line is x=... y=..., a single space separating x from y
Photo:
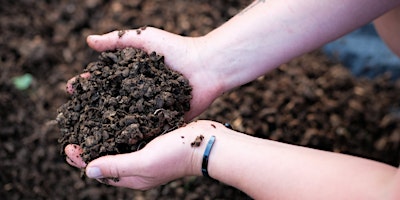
x=206 y=155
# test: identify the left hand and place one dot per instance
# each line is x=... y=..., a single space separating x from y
x=186 y=55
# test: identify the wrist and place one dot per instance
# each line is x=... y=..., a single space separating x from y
x=205 y=130
x=215 y=58
x=234 y=59
x=203 y=76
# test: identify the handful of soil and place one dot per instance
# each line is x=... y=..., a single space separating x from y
x=130 y=98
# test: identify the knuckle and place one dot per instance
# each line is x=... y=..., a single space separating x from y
x=113 y=171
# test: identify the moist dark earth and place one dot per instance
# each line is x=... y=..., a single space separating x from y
x=130 y=98
x=309 y=101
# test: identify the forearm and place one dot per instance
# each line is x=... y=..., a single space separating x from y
x=269 y=33
x=270 y=170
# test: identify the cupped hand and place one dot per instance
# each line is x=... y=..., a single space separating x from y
x=166 y=158
x=183 y=54
x=137 y=170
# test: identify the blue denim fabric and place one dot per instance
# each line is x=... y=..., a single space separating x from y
x=364 y=53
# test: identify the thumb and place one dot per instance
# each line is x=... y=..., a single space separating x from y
x=115 y=166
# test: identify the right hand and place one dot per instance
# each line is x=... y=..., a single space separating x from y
x=166 y=158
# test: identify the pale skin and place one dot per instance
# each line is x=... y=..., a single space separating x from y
x=249 y=45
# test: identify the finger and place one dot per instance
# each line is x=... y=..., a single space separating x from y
x=70 y=162
x=71 y=81
x=149 y=39
x=128 y=182
x=120 y=165
x=74 y=152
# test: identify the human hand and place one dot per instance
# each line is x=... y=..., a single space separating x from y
x=182 y=54
x=166 y=158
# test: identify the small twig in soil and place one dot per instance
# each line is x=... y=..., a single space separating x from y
x=157 y=111
x=168 y=130
x=141 y=145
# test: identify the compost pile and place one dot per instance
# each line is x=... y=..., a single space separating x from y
x=309 y=101
x=129 y=98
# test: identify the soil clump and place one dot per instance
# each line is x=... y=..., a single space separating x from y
x=130 y=98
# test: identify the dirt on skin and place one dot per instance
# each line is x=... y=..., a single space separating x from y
x=129 y=99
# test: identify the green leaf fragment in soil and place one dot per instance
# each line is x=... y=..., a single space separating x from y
x=22 y=82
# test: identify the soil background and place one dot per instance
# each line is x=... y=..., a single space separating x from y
x=309 y=101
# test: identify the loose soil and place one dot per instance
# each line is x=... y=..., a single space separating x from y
x=129 y=99
x=309 y=101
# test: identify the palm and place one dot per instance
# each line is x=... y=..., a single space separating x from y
x=165 y=158
x=183 y=54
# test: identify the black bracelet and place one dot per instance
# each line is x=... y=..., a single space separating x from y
x=206 y=155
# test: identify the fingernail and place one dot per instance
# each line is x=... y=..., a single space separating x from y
x=93 y=172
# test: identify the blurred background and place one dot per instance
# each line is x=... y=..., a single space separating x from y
x=364 y=53
x=339 y=98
